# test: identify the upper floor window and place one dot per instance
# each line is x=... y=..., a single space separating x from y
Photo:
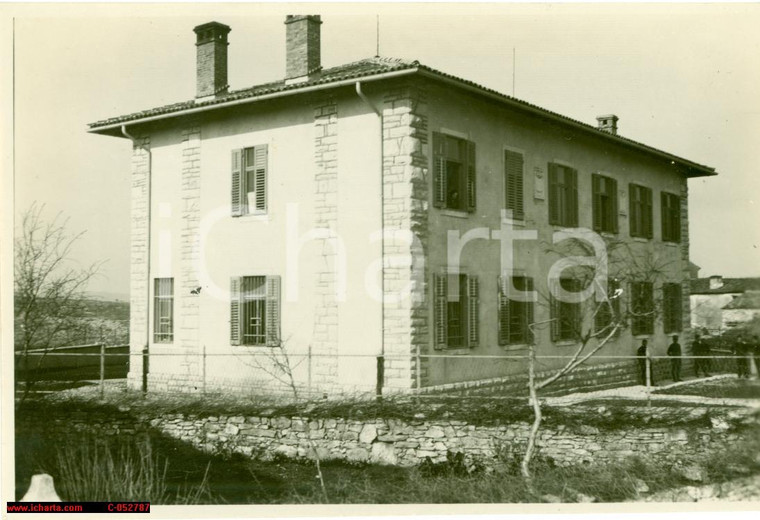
x=456 y=310
x=454 y=170
x=163 y=310
x=604 y=203
x=640 y=214
x=670 y=215
x=249 y=180
x=255 y=310
x=513 y=183
x=563 y=195
x=515 y=315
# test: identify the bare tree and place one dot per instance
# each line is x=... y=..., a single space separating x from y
x=48 y=289
x=599 y=319
x=279 y=366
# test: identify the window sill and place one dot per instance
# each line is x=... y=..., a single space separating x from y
x=513 y=222
x=608 y=234
x=671 y=244
x=455 y=351
x=516 y=347
x=565 y=343
x=641 y=239
x=455 y=213
x=643 y=336
x=254 y=217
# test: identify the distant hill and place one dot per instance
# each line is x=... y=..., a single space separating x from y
x=108 y=296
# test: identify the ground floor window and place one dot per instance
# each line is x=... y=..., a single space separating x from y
x=163 y=310
x=255 y=310
x=456 y=312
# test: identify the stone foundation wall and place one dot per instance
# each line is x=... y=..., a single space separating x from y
x=389 y=441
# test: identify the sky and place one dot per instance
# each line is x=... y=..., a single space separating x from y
x=681 y=78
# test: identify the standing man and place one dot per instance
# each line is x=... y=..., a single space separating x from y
x=701 y=349
x=674 y=351
x=741 y=349
x=643 y=355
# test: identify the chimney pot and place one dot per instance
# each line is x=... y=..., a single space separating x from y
x=211 y=63
x=716 y=281
x=608 y=123
x=303 y=52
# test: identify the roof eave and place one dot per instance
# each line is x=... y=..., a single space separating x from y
x=690 y=168
x=114 y=129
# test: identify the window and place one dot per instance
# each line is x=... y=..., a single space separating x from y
x=249 y=180
x=163 y=310
x=640 y=211
x=255 y=310
x=566 y=316
x=563 y=196
x=642 y=308
x=513 y=183
x=607 y=313
x=454 y=173
x=672 y=319
x=604 y=203
x=456 y=311
x=514 y=315
x=671 y=217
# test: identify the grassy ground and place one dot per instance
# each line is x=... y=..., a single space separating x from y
x=165 y=470
x=721 y=388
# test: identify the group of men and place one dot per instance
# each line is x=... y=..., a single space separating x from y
x=743 y=347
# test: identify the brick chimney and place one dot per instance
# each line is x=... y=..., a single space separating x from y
x=608 y=123
x=303 y=46
x=211 y=65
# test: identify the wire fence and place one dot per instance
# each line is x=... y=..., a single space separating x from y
x=433 y=374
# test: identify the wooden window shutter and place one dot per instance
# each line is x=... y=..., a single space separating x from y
x=513 y=183
x=529 y=316
x=473 y=311
x=260 y=173
x=675 y=207
x=471 y=177
x=634 y=214
x=664 y=217
x=554 y=217
x=596 y=201
x=440 y=309
x=503 y=309
x=612 y=192
x=237 y=183
x=439 y=170
x=572 y=198
x=235 y=296
x=556 y=317
x=273 y=311
x=647 y=199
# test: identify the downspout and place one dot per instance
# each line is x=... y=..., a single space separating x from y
x=145 y=351
x=382 y=216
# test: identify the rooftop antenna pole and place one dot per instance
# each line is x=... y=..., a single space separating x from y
x=513 y=72
x=377 y=33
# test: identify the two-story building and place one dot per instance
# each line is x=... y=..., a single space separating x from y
x=317 y=214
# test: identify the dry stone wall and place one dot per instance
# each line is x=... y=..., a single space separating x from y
x=404 y=443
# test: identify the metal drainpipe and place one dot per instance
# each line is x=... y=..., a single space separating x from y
x=145 y=351
x=382 y=216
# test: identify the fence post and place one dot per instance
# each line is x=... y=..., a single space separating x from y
x=203 y=371
x=145 y=369
x=308 y=372
x=648 y=373
x=380 y=377
x=102 y=370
